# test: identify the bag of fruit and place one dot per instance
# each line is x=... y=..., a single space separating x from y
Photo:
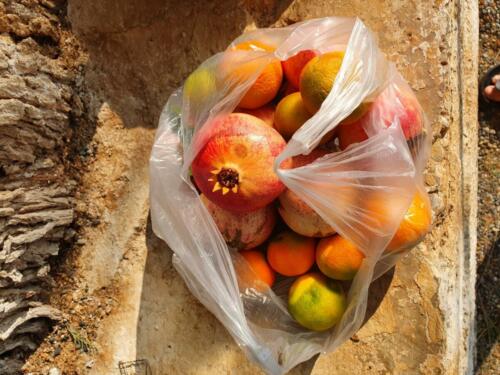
x=286 y=176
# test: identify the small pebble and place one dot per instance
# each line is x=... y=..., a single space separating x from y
x=57 y=351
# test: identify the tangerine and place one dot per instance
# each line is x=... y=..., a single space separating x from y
x=291 y=254
x=267 y=84
x=257 y=262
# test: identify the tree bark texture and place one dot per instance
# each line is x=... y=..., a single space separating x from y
x=37 y=71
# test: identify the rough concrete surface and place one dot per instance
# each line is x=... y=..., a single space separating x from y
x=138 y=52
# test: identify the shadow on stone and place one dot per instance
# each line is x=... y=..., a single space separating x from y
x=173 y=328
x=376 y=295
x=140 y=51
x=175 y=333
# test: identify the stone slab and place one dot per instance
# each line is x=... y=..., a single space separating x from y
x=140 y=51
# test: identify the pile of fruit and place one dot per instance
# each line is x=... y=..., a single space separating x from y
x=275 y=231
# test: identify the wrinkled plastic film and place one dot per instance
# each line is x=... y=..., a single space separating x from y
x=201 y=255
x=385 y=168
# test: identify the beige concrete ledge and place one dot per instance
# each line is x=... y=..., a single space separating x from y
x=139 y=51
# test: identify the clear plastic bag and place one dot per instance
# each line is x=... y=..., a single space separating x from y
x=385 y=166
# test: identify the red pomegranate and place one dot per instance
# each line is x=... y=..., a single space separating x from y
x=392 y=103
x=296 y=213
x=234 y=169
x=243 y=230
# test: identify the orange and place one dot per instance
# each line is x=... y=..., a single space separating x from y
x=265 y=113
x=415 y=224
x=291 y=254
x=350 y=133
x=290 y=115
x=338 y=258
x=315 y=302
x=357 y=114
x=317 y=78
x=254 y=45
x=259 y=266
x=268 y=83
